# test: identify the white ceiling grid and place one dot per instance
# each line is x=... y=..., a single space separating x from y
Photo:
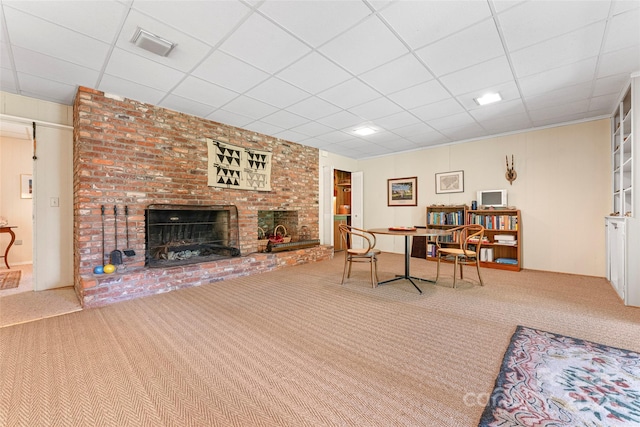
x=312 y=71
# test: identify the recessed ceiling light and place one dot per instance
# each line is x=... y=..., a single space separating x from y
x=364 y=131
x=489 y=98
x=152 y=43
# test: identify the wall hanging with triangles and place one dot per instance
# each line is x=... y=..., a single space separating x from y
x=230 y=166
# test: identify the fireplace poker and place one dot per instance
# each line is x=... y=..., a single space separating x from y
x=116 y=254
x=128 y=251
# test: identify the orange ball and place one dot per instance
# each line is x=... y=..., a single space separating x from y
x=109 y=268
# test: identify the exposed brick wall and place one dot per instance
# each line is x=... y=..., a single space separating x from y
x=135 y=154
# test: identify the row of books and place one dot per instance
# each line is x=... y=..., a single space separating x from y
x=445 y=218
x=494 y=222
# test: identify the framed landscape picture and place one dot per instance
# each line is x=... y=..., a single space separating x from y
x=450 y=182
x=26 y=186
x=402 y=191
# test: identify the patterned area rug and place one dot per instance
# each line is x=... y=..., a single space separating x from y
x=548 y=379
x=9 y=279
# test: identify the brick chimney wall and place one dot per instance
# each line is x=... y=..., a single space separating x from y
x=135 y=154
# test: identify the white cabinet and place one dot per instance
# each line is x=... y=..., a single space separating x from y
x=616 y=259
x=623 y=225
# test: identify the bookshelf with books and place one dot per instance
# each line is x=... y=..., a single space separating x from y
x=503 y=231
x=444 y=217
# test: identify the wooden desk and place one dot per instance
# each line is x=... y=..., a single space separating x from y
x=431 y=232
x=13 y=239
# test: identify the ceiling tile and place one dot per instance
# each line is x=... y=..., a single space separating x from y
x=561 y=96
x=184 y=57
x=413 y=130
x=129 y=89
x=314 y=108
x=422 y=94
x=507 y=123
x=278 y=93
x=97 y=19
x=470 y=46
x=397 y=120
x=499 y=109
x=314 y=73
x=264 y=45
x=229 y=72
x=423 y=22
x=249 y=107
x=533 y=22
x=610 y=84
x=187 y=106
x=203 y=92
x=53 y=40
x=478 y=77
x=577 y=72
x=568 y=111
x=141 y=70
x=284 y=119
x=348 y=94
x=49 y=90
x=364 y=47
x=335 y=137
x=446 y=107
x=315 y=22
x=398 y=74
x=229 y=118
x=313 y=129
x=572 y=47
x=469 y=131
x=340 y=120
x=621 y=61
x=602 y=104
x=454 y=121
x=51 y=68
x=264 y=128
x=623 y=31
x=7 y=81
x=377 y=108
x=207 y=21
x=289 y=135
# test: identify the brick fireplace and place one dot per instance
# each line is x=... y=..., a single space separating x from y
x=128 y=153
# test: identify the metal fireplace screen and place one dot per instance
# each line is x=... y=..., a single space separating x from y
x=185 y=234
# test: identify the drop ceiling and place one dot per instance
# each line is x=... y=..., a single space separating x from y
x=312 y=72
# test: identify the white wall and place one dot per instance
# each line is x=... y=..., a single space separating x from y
x=53 y=177
x=563 y=190
x=15 y=160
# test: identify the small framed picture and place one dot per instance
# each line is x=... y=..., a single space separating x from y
x=450 y=182
x=402 y=191
x=26 y=186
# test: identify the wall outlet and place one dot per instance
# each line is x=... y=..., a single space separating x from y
x=18 y=242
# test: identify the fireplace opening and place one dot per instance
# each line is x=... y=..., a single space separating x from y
x=185 y=234
x=278 y=231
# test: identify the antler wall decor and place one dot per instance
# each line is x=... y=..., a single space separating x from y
x=511 y=174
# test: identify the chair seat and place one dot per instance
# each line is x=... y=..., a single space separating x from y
x=458 y=252
x=363 y=252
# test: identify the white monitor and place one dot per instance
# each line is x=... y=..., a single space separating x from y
x=492 y=198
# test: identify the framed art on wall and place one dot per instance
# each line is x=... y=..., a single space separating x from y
x=26 y=186
x=450 y=182
x=402 y=191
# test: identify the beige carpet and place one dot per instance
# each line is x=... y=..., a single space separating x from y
x=9 y=279
x=30 y=306
x=294 y=348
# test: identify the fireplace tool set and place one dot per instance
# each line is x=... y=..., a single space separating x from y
x=115 y=256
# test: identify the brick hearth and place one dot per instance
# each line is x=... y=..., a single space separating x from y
x=135 y=154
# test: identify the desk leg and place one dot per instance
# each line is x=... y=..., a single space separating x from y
x=6 y=252
x=407 y=275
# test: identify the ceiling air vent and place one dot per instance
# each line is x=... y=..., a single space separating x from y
x=152 y=43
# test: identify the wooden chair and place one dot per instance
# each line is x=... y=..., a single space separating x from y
x=460 y=253
x=366 y=254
